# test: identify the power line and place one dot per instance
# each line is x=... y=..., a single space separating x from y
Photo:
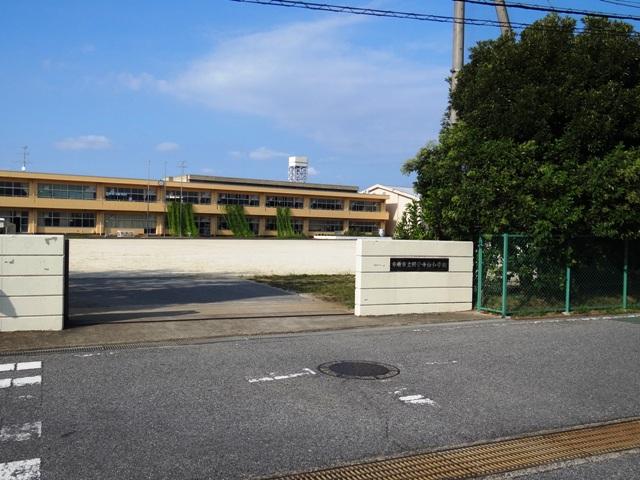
x=327 y=7
x=568 y=11
x=623 y=3
x=371 y=12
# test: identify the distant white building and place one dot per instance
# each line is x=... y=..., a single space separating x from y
x=399 y=198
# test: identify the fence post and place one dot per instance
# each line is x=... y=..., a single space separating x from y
x=567 y=291
x=480 y=270
x=625 y=276
x=505 y=266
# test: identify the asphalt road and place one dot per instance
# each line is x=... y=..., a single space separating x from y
x=245 y=408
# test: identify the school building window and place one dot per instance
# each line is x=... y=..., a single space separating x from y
x=129 y=194
x=67 y=219
x=364 y=206
x=326 y=204
x=238 y=199
x=284 y=202
x=325 y=225
x=189 y=196
x=14 y=189
x=66 y=191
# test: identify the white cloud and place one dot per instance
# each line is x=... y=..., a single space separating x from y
x=312 y=172
x=140 y=81
x=84 y=142
x=207 y=171
x=167 y=147
x=264 y=153
x=309 y=78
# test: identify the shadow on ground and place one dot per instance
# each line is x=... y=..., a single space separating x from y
x=167 y=297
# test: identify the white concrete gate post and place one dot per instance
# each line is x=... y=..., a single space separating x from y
x=31 y=282
x=413 y=276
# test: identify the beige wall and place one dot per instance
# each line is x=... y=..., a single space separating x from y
x=395 y=206
x=113 y=256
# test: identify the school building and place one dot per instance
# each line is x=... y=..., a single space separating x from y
x=47 y=203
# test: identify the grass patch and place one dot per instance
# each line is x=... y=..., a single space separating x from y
x=332 y=288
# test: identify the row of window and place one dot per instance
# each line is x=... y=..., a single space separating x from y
x=148 y=222
x=14 y=189
x=67 y=219
x=65 y=191
x=134 y=194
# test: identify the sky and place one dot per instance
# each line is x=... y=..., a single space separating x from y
x=133 y=88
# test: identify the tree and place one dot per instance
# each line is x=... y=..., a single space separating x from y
x=181 y=219
x=237 y=221
x=284 y=223
x=548 y=141
x=412 y=225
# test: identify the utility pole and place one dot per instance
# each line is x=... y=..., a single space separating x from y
x=147 y=195
x=165 y=179
x=503 y=17
x=182 y=164
x=458 y=49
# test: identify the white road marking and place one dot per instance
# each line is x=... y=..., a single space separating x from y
x=273 y=376
x=26 y=397
x=20 y=433
x=442 y=363
x=5 y=382
x=28 y=365
x=23 y=381
x=7 y=367
x=414 y=399
x=417 y=400
x=20 y=470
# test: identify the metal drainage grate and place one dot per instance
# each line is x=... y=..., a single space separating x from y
x=491 y=458
x=361 y=370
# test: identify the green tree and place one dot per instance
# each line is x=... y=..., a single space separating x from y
x=284 y=223
x=548 y=141
x=237 y=220
x=412 y=225
x=181 y=220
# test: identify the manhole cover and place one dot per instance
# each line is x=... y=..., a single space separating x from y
x=359 y=369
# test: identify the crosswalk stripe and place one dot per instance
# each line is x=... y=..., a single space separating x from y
x=28 y=365
x=21 y=432
x=20 y=381
x=21 y=470
x=7 y=367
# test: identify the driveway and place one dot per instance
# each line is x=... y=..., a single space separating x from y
x=171 y=297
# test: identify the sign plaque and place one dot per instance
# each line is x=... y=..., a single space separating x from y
x=416 y=264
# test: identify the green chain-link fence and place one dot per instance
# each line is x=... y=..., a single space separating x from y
x=515 y=276
x=633 y=289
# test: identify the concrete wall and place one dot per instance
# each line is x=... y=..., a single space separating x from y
x=31 y=282
x=246 y=257
x=379 y=291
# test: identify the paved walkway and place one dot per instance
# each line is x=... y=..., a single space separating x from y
x=113 y=309
x=114 y=333
x=171 y=297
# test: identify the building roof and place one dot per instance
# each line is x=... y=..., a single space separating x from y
x=408 y=192
x=203 y=181
x=266 y=183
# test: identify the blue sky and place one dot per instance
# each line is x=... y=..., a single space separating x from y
x=231 y=89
